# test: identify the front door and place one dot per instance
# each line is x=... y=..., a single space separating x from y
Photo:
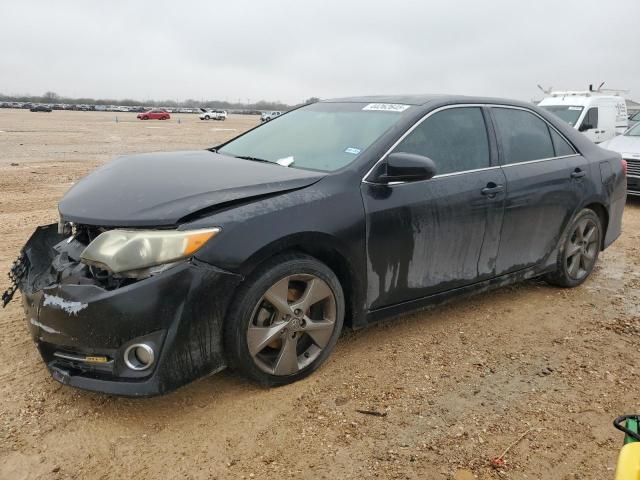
x=544 y=187
x=434 y=235
x=590 y=125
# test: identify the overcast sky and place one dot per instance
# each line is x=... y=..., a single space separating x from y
x=292 y=50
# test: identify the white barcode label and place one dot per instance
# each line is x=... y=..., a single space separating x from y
x=386 y=107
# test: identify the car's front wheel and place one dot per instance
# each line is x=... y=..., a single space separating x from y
x=579 y=249
x=285 y=321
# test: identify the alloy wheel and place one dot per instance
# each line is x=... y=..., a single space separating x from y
x=291 y=324
x=582 y=249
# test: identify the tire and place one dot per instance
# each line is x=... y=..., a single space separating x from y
x=207 y=117
x=259 y=338
x=579 y=250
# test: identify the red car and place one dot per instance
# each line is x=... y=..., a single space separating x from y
x=156 y=114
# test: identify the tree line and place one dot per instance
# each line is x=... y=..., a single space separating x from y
x=52 y=97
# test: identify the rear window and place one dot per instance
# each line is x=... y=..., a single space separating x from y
x=523 y=136
x=562 y=147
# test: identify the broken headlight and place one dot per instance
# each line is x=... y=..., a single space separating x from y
x=140 y=253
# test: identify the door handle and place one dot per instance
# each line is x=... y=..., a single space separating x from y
x=578 y=173
x=491 y=190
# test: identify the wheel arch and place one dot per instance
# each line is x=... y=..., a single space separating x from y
x=329 y=251
x=603 y=215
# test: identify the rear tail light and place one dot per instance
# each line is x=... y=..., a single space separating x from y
x=624 y=165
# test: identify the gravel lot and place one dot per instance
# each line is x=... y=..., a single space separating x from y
x=457 y=384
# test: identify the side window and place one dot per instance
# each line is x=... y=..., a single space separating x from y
x=523 y=135
x=455 y=139
x=591 y=118
x=561 y=146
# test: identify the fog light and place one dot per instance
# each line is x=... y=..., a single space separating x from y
x=138 y=356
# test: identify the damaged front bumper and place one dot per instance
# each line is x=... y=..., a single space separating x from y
x=83 y=326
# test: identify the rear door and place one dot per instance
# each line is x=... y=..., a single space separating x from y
x=428 y=236
x=544 y=176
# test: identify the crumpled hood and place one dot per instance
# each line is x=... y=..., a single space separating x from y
x=623 y=144
x=158 y=189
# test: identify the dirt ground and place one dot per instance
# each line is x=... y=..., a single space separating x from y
x=457 y=384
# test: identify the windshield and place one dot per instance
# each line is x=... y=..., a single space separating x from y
x=321 y=136
x=568 y=113
x=633 y=131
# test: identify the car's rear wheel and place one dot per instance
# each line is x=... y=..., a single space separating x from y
x=580 y=247
x=285 y=321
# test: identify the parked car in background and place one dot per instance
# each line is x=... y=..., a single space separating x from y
x=633 y=119
x=628 y=145
x=213 y=114
x=40 y=108
x=155 y=114
x=253 y=254
x=598 y=116
x=268 y=116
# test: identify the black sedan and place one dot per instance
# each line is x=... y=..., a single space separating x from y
x=40 y=108
x=166 y=267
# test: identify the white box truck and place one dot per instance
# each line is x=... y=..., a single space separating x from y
x=600 y=116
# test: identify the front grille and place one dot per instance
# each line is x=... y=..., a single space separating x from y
x=633 y=166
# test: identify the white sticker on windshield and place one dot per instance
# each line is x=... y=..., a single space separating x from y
x=285 y=162
x=575 y=108
x=353 y=151
x=386 y=107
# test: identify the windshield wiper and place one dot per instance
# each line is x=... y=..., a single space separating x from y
x=253 y=159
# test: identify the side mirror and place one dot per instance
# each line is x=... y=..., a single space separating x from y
x=584 y=127
x=408 y=167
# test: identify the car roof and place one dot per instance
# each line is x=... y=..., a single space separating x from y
x=425 y=99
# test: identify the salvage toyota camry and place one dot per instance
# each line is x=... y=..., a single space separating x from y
x=166 y=267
